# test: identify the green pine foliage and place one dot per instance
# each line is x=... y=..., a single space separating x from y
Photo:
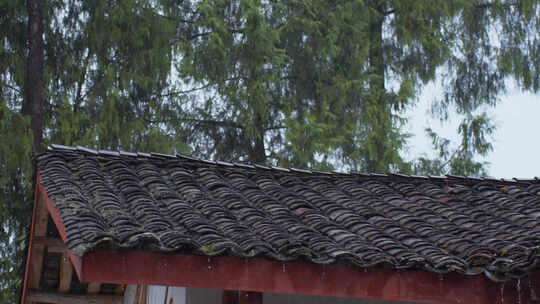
x=312 y=84
x=15 y=151
x=15 y=198
x=337 y=77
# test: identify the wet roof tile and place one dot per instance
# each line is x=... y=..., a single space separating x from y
x=182 y=204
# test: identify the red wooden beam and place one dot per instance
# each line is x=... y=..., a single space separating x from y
x=262 y=275
x=55 y=215
x=297 y=277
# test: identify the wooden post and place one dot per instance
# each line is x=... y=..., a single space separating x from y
x=94 y=287
x=142 y=294
x=241 y=297
x=66 y=272
x=36 y=251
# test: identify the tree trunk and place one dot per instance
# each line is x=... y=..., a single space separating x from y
x=34 y=97
x=259 y=152
x=377 y=101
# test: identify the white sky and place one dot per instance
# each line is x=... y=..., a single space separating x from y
x=516 y=150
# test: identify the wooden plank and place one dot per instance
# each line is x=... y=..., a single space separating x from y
x=54 y=245
x=298 y=277
x=60 y=298
x=66 y=272
x=37 y=250
x=142 y=294
x=241 y=297
x=94 y=287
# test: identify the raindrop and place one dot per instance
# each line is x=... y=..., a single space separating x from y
x=441 y=278
x=209 y=264
x=365 y=270
x=323 y=272
x=502 y=293
x=283 y=269
x=519 y=290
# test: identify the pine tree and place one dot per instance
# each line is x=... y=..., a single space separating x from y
x=313 y=84
x=92 y=76
x=16 y=145
x=232 y=54
x=119 y=58
x=343 y=73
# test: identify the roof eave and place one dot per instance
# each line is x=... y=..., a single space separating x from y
x=296 y=277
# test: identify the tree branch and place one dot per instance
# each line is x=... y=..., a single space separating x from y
x=185 y=39
x=153 y=12
x=486 y=5
x=13 y=88
x=275 y=127
x=194 y=36
x=176 y=93
x=218 y=123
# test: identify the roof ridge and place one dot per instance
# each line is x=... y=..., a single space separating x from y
x=447 y=179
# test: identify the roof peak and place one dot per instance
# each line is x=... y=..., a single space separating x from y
x=448 y=178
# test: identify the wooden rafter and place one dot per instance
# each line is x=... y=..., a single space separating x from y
x=55 y=215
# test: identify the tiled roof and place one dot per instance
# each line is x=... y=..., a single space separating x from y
x=180 y=204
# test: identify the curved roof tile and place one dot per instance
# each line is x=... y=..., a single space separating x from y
x=181 y=204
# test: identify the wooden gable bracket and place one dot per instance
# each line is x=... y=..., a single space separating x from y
x=39 y=242
x=249 y=276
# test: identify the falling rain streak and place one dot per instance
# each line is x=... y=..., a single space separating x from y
x=519 y=290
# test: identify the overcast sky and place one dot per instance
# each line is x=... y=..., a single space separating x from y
x=516 y=141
